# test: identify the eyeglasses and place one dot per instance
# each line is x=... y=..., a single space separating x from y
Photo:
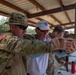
x=22 y=27
x=45 y=31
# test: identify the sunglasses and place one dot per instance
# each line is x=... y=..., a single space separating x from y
x=45 y=31
x=22 y=27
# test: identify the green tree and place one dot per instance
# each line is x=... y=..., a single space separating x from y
x=3 y=27
x=30 y=31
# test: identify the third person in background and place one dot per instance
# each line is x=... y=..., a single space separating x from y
x=53 y=64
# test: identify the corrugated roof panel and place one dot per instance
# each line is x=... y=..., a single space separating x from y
x=55 y=22
x=34 y=20
x=34 y=10
x=31 y=24
x=71 y=14
x=68 y=2
x=23 y=4
x=61 y=17
x=73 y=24
x=6 y=9
x=48 y=4
x=68 y=25
x=49 y=19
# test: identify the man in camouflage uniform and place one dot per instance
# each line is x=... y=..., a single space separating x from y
x=13 y=46
x=53 y=64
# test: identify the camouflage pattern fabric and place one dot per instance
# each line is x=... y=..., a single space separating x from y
x=29 y=37
x=18 y=19
x=11 y=45
x=50 y=69
x=52 y=59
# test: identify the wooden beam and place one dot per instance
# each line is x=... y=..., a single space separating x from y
x=4 y=14
x=55 y=19
x=62 y=5
x=40 y=18
x=37 y=4
x=13 y=6
x=64 y=24
x=70 y=27
x=18 y=9
x=51 y=11
x=43 y=9
x=68 y=16
x=31 y=22
x=45 y=20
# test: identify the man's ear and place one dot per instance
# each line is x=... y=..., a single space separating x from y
x=62 y=33
x=12 y=27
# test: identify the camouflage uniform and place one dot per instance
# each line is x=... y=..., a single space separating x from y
x=52 y=61
x=12 y=48
x=11 y=45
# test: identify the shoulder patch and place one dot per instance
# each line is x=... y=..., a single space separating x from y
x=2 y=36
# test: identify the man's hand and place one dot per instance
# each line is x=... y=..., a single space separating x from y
x=67 y=44
x=56 y=43
x=70 y=45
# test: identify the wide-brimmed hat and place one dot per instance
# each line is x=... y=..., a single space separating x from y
x=18 y=19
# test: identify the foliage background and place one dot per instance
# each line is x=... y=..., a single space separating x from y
x=30 y=30
x=5 y=27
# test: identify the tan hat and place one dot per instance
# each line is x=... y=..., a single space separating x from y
x=18 y=19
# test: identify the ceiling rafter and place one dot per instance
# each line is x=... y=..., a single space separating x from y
x=45 y=20
x=3 y=13
x=68 y=7
x=55 y=19
x=31 y=22
x=64 y=24
x=6 y=14
x=62 y=6
x=70 y=27
x=14 y=7
x=37 y=5
x=52 y=11
x=43 y=9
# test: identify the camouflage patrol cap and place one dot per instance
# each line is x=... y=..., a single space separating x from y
x=18 y=19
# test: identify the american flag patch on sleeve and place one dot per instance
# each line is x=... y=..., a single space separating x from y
x=2 y=36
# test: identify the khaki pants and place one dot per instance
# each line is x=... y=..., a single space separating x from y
x=18 y=67
x=50 y=69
